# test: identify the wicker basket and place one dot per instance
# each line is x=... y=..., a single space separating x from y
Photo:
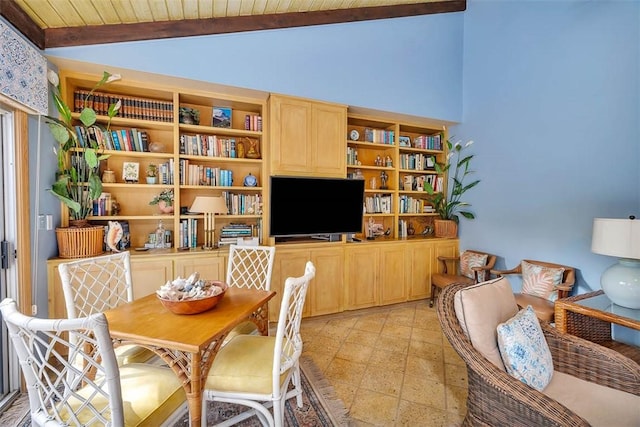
x=80 y=242
x=445 y=228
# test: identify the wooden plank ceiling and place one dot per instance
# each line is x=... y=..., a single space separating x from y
x=59 y=23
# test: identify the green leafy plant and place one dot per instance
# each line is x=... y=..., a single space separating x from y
x=165 y=196
x=152 y=170
x=449 y=207
x=78 y=181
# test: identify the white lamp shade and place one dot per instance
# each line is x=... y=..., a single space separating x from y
x=616 y=237
x=208 y=204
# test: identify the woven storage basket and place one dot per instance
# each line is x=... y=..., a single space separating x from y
x=445 y=228
x=83 y=242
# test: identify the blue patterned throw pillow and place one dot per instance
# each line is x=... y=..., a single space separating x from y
x=524 y=350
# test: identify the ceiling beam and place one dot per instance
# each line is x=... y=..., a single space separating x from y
x=99 y=34
x=23 y=22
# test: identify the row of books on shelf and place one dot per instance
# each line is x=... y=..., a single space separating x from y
x=417 y=161
x=253 y=122
x=379 y=136
x=428 y=142
x=103 y=206
x=165 y=172
x=408 y=204
x=239 y=232
x=194 y=174
x=208 y=145
x=378 y=203
x=114 y=139
x=243 y=204
x=132 y=107
x=188 y=233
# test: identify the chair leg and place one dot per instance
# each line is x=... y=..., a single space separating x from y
x=433 y=293
x=297 y=385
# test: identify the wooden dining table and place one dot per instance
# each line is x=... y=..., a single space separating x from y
x=188 y=343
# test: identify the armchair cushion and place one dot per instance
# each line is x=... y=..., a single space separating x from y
x=524 y=349
x=480 y=324
x=472 y=259
x=541 y=281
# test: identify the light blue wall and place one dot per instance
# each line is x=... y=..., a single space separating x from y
x=402 y=65
x=549 y=90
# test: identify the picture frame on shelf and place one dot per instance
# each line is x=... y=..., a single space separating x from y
x=221 y=117
x=404 y=141
x=130 y=172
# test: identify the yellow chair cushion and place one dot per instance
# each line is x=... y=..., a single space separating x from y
x=245 y=365
x=130 y=353
x=150 y=394
x=244 y=328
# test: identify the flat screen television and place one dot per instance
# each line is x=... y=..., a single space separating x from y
x=303 y=206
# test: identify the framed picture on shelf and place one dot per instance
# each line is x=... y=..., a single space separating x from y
x=130 y=171
x=221 y=117
x=404 y=141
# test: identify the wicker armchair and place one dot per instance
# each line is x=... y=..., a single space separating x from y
x=495 y=398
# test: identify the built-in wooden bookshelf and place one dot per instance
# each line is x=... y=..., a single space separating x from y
x=395 y=159
x=192 y=159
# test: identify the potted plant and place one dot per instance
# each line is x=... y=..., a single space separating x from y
x=78 y=182
x=449 y=207
x=152 y=173
x=189 y=116
x=164 y=200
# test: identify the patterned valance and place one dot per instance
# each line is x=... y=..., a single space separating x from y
x=23 y=71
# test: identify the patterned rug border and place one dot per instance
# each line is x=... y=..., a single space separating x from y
x=325 y=392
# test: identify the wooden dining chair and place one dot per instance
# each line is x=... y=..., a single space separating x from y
x=542 y=284
x=249 y=267
x=95 y=392
x=469 y=268
x=93 y=285
x=256 y=370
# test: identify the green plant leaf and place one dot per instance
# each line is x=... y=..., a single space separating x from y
x=60 y=132
x=88 y=117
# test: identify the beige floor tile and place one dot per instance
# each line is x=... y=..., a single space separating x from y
x=456 y=398
x=362 y=337
x=398 y=331
x=355 y=352
x=411 y=414
x=383 y=380
x=346 y=371
x=426 y=350
x=455 y=375
x=423 y=391
x=335 y=332
x=393 y=343
x=374 y=408
x=345 y=391
x=391 y=359
x=425 y=368
x=426 y=335
x=370 y=323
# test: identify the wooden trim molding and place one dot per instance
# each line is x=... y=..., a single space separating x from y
x=22 y=22
x=23 y=244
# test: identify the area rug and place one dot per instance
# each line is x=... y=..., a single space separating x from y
x=320 y=405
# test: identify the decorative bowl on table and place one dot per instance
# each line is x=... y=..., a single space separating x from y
x=191 y=296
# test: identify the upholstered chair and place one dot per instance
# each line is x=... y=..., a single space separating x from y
x=542 y=284
x=468 y=268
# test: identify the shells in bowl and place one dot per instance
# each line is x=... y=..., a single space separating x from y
x=191 y=288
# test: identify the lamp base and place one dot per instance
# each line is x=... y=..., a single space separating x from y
x=621 y=283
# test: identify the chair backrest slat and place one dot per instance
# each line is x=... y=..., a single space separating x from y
x=250 y=266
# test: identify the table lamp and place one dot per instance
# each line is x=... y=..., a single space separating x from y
x=209 y=206
x=619 y=238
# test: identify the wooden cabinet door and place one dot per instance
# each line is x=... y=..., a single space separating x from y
x=56 y=305
x=329 y=125
x=393 y=274
x=290 y=135
x=361 y=277
x=325 y=294
x=287 y=263
x=420 y=257
x=210 y=267
x=444 y=248
x=147 y=275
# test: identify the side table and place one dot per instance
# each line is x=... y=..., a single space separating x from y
x=590 y=316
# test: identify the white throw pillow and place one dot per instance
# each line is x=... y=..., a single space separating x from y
x=524 y=349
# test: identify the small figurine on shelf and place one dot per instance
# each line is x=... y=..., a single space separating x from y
x=378 y=161
x=389 y=162
x=160 y=231
x=253 y=152
x=384 y=178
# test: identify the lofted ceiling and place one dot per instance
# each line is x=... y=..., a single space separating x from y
x=59 y=23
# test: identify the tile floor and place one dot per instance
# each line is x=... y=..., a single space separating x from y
x=391 y=365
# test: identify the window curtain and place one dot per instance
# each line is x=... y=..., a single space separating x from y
x=23 y=72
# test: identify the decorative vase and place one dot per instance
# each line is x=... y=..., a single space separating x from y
x=164 y=208
x=151 y=180
x=80 y=239
x=446 y=228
